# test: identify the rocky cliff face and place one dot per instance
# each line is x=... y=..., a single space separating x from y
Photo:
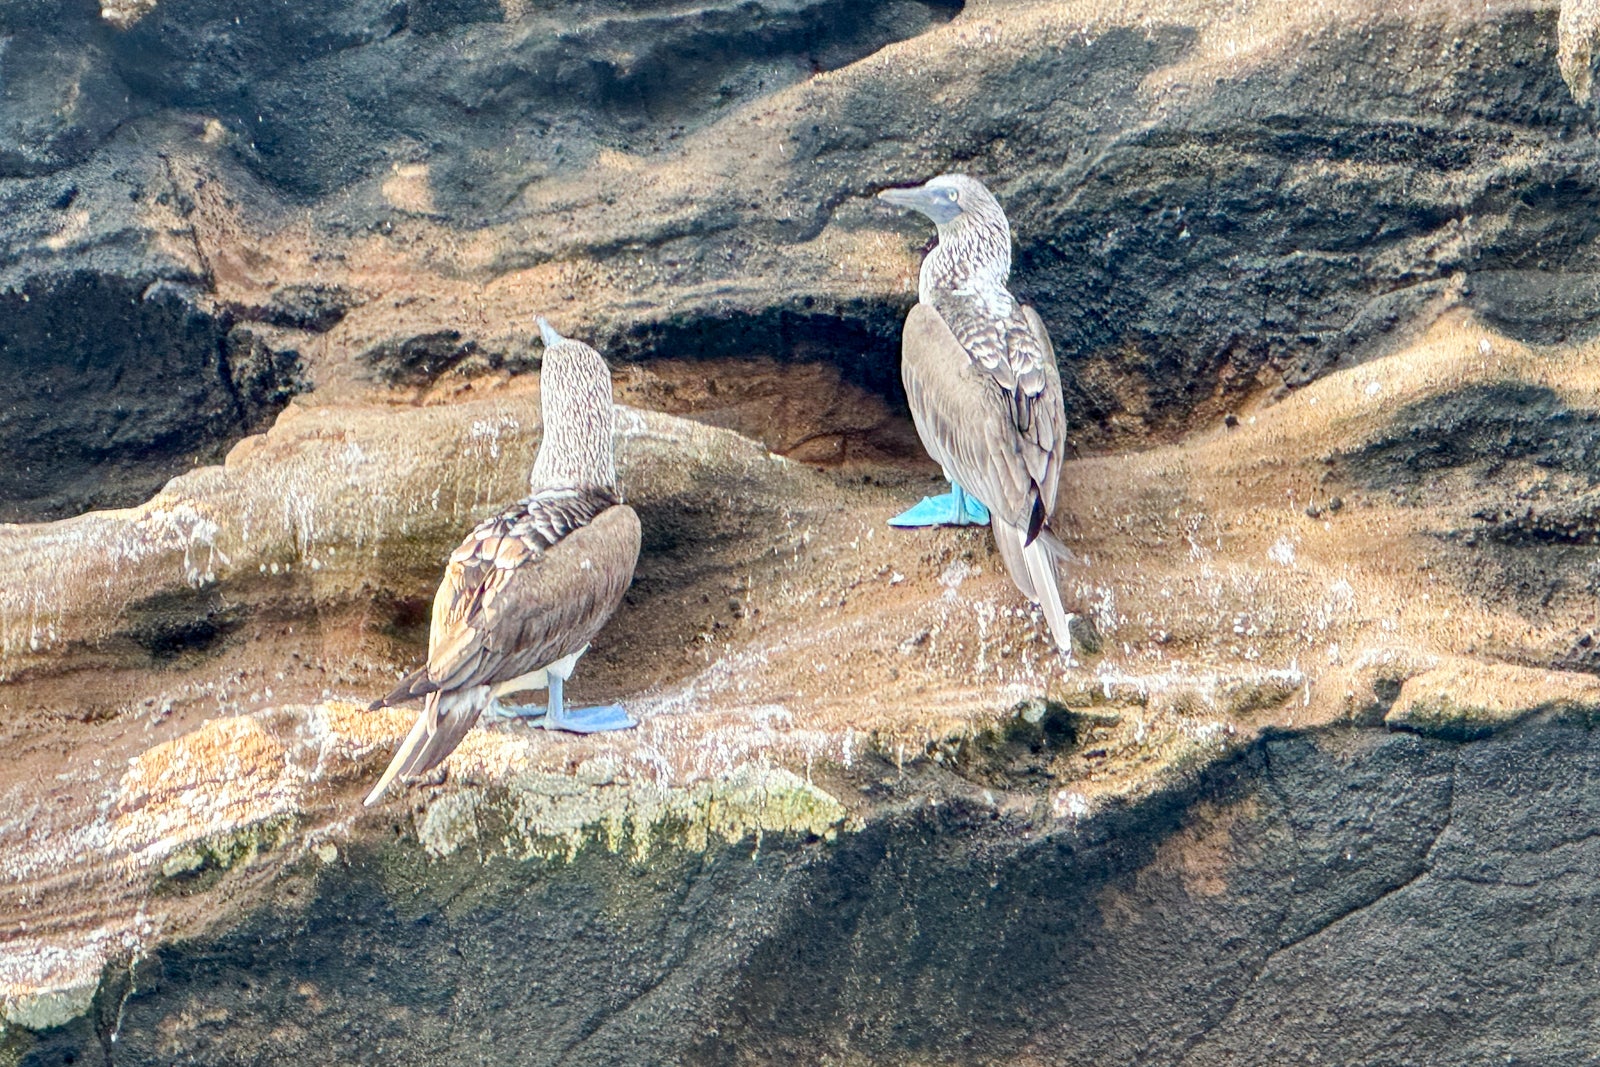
x=1321 y=281
x=1209 y=204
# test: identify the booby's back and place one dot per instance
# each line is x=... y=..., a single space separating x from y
x=529 y=588
x=984 y=389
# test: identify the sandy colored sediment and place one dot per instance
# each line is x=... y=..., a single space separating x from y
x=816 y=639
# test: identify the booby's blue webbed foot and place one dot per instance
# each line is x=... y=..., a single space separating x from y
x=581 y=720
x=955 y=508
x=590 y=720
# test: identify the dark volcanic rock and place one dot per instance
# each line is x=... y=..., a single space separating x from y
x=320 y=98
x=1482 y=429
x=1191 y=238
x=1541 y=306
x=313 y=308
x=418 y=360
x=1355 y=896
x=1276 y=226
x=861 y=337
x=111 y=387
x=58 y=101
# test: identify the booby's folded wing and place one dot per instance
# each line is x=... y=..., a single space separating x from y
x=1049 y=414
x=525 y=584
x=1000 y=442
x=514 y=601
x=508 y=607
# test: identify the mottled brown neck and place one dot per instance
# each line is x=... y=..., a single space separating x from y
x=579 y=419
x=973 y=253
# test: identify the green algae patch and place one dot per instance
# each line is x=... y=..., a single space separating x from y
x=552 y=816
x=199 y=865
x=49 y=1008
x=15 y=1044
x=1466 y=701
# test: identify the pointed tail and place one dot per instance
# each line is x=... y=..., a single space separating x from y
x=1033 y=567
x=1040 y=560
x=445 y=720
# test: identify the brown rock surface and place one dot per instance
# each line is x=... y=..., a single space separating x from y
x=1323 y=313
x=1244 y=578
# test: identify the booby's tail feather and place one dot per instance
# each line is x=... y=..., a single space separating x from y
x=445 y=720
x=1047 y=537
x=1008 y=539
x=1040 y=559
x=1033 y=567
x=416 y=684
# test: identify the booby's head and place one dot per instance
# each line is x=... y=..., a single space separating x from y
x=949 y=199
x=974 y=238
x=575 y=394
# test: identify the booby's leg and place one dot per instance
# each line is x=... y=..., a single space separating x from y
x=955 y=508
x=582 y=720
x=498 y=712
x=555 y=715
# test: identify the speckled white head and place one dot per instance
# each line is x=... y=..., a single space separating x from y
x=974 y=237
x=579 y=416
x=947 y=198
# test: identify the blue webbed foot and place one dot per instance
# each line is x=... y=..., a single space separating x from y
x=498 y=712
x=581 y=720
x=955 y=508
x=590 y=720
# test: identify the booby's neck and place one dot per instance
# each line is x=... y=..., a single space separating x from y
x=579 y=420
x=973 y=257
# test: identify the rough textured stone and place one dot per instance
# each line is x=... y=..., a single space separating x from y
x=1210 y=202
x=1189 y=814
x=1578 y=26
x=59 y=99
x=1347 y=894
x=107 y=388
x=1325 y=264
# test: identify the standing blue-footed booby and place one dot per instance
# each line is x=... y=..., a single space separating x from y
x=529 y=588
x=985 y=391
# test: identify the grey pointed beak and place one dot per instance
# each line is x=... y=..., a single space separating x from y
x=917 y=199
x=547 y=332
x=930 y=202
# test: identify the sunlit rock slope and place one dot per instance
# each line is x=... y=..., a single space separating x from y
x=1211 y=200
x=1318 y=782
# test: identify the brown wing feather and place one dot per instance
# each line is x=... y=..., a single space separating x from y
x=967 y=420
x=476 y=577
x=492 y=622
x=1049 y=417
x=502 y=613
x=1014 y=350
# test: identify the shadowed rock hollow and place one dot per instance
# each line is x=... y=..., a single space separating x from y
x=107 y=390
x=1317 y=785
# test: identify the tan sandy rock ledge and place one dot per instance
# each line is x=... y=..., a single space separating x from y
x=1291 y=570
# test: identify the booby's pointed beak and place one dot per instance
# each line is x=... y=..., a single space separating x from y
x=914 y=198
x=933 y=203
x=547 y=332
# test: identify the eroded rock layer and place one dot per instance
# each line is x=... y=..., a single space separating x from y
x=1320 y=281
x=1210 y=201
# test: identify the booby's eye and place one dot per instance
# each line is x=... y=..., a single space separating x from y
x=952 y=194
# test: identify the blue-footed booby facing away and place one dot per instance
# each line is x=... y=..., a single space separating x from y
x=984 y=388
x=529 y=588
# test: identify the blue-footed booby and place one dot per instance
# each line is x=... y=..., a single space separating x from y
x=529 y=588
x=985 y=390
